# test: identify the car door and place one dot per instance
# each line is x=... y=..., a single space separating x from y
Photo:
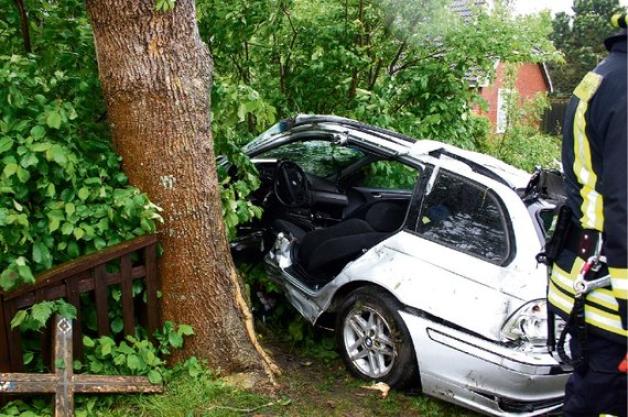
x=382 y=180
x=456 y=250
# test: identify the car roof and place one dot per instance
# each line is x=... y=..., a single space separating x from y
x=430 y=151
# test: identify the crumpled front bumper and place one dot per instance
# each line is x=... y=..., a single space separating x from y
x=482 y=375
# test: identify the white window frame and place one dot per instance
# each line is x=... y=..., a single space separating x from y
x=501 y=120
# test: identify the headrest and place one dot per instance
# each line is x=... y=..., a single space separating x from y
x=385 y=216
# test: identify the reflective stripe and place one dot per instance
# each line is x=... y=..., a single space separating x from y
x=561 y=296
x=619 y=282
x=603 y=320
x=593 y=316
x=559 y=300
x=600 y=296
x=592 y=202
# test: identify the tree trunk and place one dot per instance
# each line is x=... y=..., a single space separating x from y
x=156 y=78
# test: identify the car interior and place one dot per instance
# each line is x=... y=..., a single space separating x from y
x=334 y=201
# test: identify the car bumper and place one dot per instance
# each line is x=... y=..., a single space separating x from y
x=482 y=375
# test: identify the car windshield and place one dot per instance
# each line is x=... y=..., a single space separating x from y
x=273 y=131
x=317 y=157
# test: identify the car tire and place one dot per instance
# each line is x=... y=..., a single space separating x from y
x=373 y=340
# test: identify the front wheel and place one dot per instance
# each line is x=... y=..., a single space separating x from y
x=373 y=339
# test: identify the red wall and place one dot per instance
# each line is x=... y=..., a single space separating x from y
x=530 y=81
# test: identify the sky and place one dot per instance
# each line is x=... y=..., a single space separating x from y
x=532 y=6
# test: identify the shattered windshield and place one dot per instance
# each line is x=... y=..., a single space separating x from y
x=316 y=157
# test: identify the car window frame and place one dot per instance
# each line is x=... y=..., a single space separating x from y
x=410 y=190
x=310 y=137
x=417 y=206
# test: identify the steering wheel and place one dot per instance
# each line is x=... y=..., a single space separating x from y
x=290 y=185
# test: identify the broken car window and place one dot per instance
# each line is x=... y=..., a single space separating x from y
x=316 y=157
x=465 y=217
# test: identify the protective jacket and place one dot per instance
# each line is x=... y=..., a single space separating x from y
x=594 y=163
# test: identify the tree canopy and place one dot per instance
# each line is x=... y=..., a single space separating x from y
x=399 y=64
x=62 y=192
x=580 y=38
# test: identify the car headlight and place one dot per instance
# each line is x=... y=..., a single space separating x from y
x=528 y=324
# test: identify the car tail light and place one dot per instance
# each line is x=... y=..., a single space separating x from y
x=527 y=325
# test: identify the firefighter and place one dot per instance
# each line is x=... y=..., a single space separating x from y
x=593 y=252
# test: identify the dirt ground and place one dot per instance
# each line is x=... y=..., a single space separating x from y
x=325 y=388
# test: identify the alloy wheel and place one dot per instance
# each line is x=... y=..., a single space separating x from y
x=369 y=343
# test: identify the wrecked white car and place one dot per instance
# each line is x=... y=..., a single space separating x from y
x=424 y=254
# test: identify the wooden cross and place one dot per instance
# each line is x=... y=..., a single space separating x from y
x=64 y=383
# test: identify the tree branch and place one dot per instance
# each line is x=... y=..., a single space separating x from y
x=26 y=36
x=391 y=66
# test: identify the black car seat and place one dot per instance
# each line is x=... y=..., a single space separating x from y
x=326 y=251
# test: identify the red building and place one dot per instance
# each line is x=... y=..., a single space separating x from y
x=531 y=80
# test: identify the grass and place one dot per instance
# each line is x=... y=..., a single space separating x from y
x=310 y=387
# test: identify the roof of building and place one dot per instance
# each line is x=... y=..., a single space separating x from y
x=465 y=8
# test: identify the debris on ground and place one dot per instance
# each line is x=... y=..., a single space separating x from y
x=381 y=387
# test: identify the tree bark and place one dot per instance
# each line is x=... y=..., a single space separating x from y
x=156 y=78
x=26 y=35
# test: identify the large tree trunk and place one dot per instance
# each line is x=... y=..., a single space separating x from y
x=156 y=77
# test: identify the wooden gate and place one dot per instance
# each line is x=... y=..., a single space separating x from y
x=137 y=259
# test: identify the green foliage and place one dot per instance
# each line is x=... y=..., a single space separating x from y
x=580 y=38
x=403 y=65
x=521 y=144
x=135 y=356
x=165 y=5
x=390 y=174
x=62 y=192
x=400 y=65
x=36 y=317
x=234 y=105
x=132 y=356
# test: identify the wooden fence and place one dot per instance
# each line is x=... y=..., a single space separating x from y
x=137 y=260
x=552 y=121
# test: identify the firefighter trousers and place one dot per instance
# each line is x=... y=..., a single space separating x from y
x=596 y=388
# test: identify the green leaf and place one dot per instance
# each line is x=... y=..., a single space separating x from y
x=186 y=330
x=23 y=175
x=53 y=119
x=67 y=228
x=133 y=362
x=155 y=377
x=164 y=5
x=70 y=208
x=5 y=144
x=57 y=154
x=28 y=160
x=19 y=318
x=175 y=340
x=41 y=147
x=10 y=169
x=37 y=255
x=88 y=342
x=83 y=193
x=65 y=309
x=117 y=325
x=25 y=272
x=38 y=132
x=27 y=357
x=78 y=233
x=53 y=224
x=41 y=312
x=73 y=249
